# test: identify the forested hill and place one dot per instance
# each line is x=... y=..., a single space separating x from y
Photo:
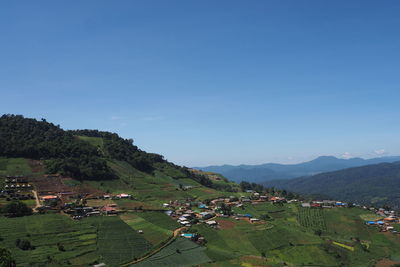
x=70 y=153
x=376 y=184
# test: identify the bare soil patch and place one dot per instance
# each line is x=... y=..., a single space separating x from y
x=225 y=224
x=386 y=263
x=36 y=166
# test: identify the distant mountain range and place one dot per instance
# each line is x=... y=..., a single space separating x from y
x=376 y=184
x=273 y=171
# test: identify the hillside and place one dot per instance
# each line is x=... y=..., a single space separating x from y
x=83 y=154
x=272 y=171
x=135 y=210
x=371 y=185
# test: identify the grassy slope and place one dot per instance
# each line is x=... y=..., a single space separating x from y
x=14 y=166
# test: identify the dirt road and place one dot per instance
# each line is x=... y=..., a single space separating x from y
x=37 y=201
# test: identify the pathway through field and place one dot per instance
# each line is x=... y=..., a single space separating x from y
x=37 y=201
x=172 y=238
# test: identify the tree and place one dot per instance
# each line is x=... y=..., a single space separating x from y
x=6 y=259
x=16 y=209
x=225 y=209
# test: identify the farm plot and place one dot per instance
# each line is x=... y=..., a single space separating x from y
x=160 y=219
x=271 y=239
x=153 y=231
x=312 y=218
x=181 y=252
x=313 y=255
x=56 y=239
x=118 y=243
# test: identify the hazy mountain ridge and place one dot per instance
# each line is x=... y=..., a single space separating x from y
x=375 y=184
x=275 y=171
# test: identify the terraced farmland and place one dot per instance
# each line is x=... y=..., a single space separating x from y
x=118 y=243
x=47 y=233
x=181 y=252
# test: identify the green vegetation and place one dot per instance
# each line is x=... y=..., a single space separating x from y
x=156 y=227
x=312 y=218
x=45 y=233
x=94 y=141
x=287 y=233
x=298 y=236
x=14 y=166
x=29 y=138
x=181 y=252
x=118 y=243
x=160 y=219
x=84 y=154
x=6 y=259
x=56 y=239
x=16 y=209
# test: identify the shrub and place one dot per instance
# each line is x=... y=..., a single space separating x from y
x=24 y=244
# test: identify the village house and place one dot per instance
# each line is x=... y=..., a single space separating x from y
x=108 y=210
x=123 y=195
x=202 y=206
x=48 y=197
x=211 y=223
x=206 y=215
x=169 y=212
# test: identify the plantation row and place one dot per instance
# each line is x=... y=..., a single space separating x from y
x=312 y=218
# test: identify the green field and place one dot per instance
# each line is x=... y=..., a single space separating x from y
x=181 y=252
x=45 y=232
x=117 y=243
x=156 y=226
x=290 y=238
x=94 y=239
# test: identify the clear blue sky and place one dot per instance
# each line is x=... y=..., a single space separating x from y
x=210 y=82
